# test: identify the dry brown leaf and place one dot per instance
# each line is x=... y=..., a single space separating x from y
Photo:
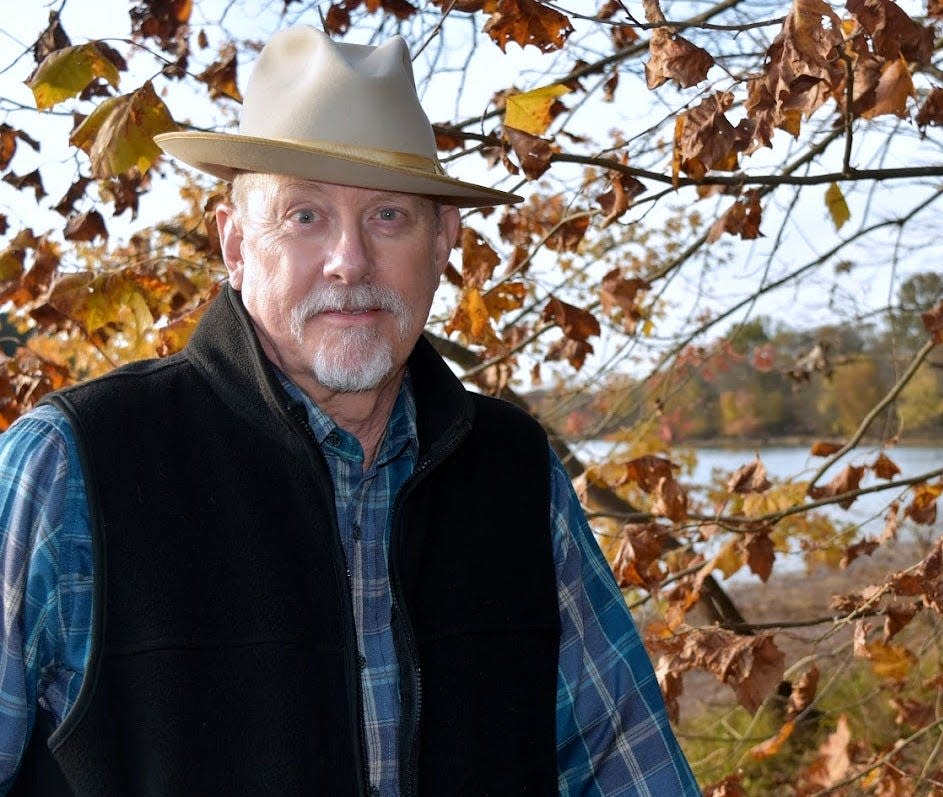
x=623 y=189
x=760 y=554
x=86 y=227
x=576 y=323
x=479 y=260
x=825 y=448
x=894 y=89
x=742 y=218
x=933 y=322
x=749 y=478
x=931 y=112
x=618 y=292
x=845 y=482
x=672 y=57
x=893 y=33
x=528 y=22
x=884 y=467
x=707 y=140
x=533 y=153
x=222 y=75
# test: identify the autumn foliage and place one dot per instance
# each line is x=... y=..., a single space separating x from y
x=685 y=167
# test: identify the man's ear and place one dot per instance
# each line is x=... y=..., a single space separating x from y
x=449 y=223
x=230 y=240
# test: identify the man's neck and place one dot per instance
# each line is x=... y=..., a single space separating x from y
x=364 y=415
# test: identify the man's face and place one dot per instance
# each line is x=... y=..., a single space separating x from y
x=338 y=280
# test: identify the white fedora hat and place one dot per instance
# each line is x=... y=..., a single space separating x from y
x=333 y=112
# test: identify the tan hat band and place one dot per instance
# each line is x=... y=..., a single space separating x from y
x=382 y=157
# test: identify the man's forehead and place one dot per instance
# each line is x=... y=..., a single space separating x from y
x=286 y=185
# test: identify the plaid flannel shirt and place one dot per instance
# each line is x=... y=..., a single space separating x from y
x=613 y=736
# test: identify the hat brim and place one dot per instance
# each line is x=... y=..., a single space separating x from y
x=226 y=155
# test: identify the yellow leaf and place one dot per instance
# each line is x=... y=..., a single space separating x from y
x=837 y=207
x=729 y=560
x=65 y=73
x=11 y=264
x=119 y=134
x=890 y=661
x=530 y=111
x=776 y=499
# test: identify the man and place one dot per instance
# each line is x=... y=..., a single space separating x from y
x=298 y=557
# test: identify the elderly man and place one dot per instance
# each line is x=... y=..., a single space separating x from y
x=298 y=557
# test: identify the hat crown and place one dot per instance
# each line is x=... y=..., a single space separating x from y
x=307 y=87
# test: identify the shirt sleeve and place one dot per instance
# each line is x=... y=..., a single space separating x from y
x=613 y=735
x=46 y=572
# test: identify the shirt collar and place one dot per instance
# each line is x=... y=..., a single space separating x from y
x=400 y=429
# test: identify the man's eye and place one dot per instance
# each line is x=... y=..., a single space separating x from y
x=304 y=216
x=389 y=214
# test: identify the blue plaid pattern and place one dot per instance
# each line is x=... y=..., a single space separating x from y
x=613 y=736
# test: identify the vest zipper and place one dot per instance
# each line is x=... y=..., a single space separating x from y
x=350 y=630
x=409 y=759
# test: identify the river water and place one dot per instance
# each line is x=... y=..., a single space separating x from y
x=796 y=464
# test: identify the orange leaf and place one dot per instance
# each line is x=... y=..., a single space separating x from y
x=931 y=112
x=471 y=318
x=671 y=501
x=884 y=467
x=478 y=259
x=771 y=746
x=221 y=76
x=824 y=448
x=760 y=554
x=895 y=87
x=528 y=22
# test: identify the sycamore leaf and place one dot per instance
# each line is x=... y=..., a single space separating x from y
x=221 y=76
x=749 y=478
x=760 y=554
x=775 y=499
x=623 y=189
x=65 y=73
x=119 y=134
x=85 y=227
x=922 y=509
x=528 y=22
x=576 y=323
x=837 y=207
x=834 y=759
x=532 y=111
x=175 y=335
x=672 y=57
x=742 y=218
x=892 y=662
x=884 y=467
x=845 y=482
x=533 y=152
x=895 y=87
x=825 y=448
x=478 y=259
x=472 y=319
x=617 y=292
x=11 y=265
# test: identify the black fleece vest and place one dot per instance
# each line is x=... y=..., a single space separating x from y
x=224 y=656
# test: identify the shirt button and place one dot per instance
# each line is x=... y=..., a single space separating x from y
x=333 y=439
x=361 y=661
x=374 y=791
x=355 y=531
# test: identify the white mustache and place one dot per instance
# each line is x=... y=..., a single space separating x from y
x=333 y=298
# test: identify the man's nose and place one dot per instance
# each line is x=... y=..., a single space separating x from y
x=350 y=261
